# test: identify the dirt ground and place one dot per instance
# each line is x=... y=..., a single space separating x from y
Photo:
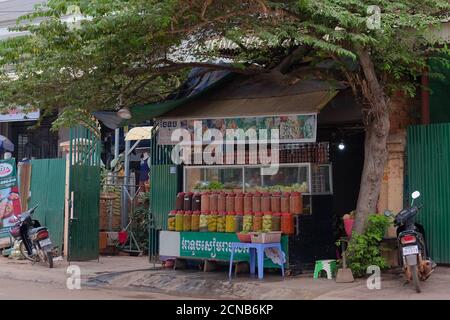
x=136 y=278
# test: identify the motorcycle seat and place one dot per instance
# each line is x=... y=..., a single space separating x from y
x=35 y=230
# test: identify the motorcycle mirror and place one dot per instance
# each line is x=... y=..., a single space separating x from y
x=415 y=194
x=388 y=213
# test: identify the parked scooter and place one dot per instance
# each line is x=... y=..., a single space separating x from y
x=35 y=243
x=411 y=243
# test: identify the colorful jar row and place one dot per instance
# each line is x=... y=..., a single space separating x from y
x=230 y=222
x=240 y=202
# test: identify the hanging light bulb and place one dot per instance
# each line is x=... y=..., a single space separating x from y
x=124 y=113
x=341 y=145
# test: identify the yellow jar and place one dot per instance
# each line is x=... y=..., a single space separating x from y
x=179 y=223
x=230 y=222
x=212 y=221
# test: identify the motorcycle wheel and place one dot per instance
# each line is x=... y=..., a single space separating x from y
x=24 y=252
x=415 y=276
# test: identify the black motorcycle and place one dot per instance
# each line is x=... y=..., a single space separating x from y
x=413 y=251
x=35 y=243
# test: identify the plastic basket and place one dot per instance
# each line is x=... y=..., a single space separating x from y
x=244 y=237
x=266 y=237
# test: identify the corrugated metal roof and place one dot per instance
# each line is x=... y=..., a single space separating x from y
x=258 y=95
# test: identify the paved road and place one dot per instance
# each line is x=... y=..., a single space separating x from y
x=135 y=278
x=22 y=280
x=25 y=289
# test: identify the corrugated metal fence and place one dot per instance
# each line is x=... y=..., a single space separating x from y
x=48 y=177
x=429 y=172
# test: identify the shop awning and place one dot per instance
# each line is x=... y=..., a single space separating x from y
x=305 y=103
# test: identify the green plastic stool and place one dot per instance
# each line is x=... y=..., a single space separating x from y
x=329 y=266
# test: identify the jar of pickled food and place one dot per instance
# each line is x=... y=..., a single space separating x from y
x=275 y=202
x=179 y=203
x=247 y=222
x=187 y=203
x=267 y=222
x=239 y=202
x=230 y=222
x=248 y=199
x=187 y=218
x=287 y=223
x=230 y=202
x=196 y=202
x=195 y=221
x=265 y=202
x=179 y=221
x=212 y=221
x=221 y=219
x=222 y=202
x=256 y=202
x=257 y=222
x=213 y=197
x=238 y=222
x=204 y=202
x=171 y=220
x=296 y=203
x=285 y=202
x=203 y=224
x=276 y=221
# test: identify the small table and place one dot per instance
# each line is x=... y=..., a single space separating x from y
x=256 y=251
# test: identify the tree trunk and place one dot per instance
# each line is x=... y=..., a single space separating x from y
x=376 y=121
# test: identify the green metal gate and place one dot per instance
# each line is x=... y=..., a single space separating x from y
x=48 y=178
x=164 y=187
x=165 y=182
x=429 y=172
x=83 y=224
x=84 y=193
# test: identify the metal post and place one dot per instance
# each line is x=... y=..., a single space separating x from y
x=116 y=143
x=126 y=183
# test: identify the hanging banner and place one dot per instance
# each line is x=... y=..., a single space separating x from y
x=292 y=128
x=17 y=114
x=10 y=206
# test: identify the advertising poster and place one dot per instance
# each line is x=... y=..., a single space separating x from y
x=9 y=193
x=18 y=114
x=292 y=128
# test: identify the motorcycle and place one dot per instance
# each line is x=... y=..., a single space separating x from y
x=35 y=244
x=413 y=252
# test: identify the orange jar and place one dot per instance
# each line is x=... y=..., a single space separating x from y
x=285 y=202
x=239 y=202
x=258 y=222
x=275 y=202
x=230 y=202
x=213 y=197
x=204 y=202
x=248 y=202
x=256 y=203
x=265 y=202
x=296 y=203
x=221 y=202
x=287 y=223
x=195 y=221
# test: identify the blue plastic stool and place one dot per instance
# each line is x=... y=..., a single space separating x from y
x=256 y=251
